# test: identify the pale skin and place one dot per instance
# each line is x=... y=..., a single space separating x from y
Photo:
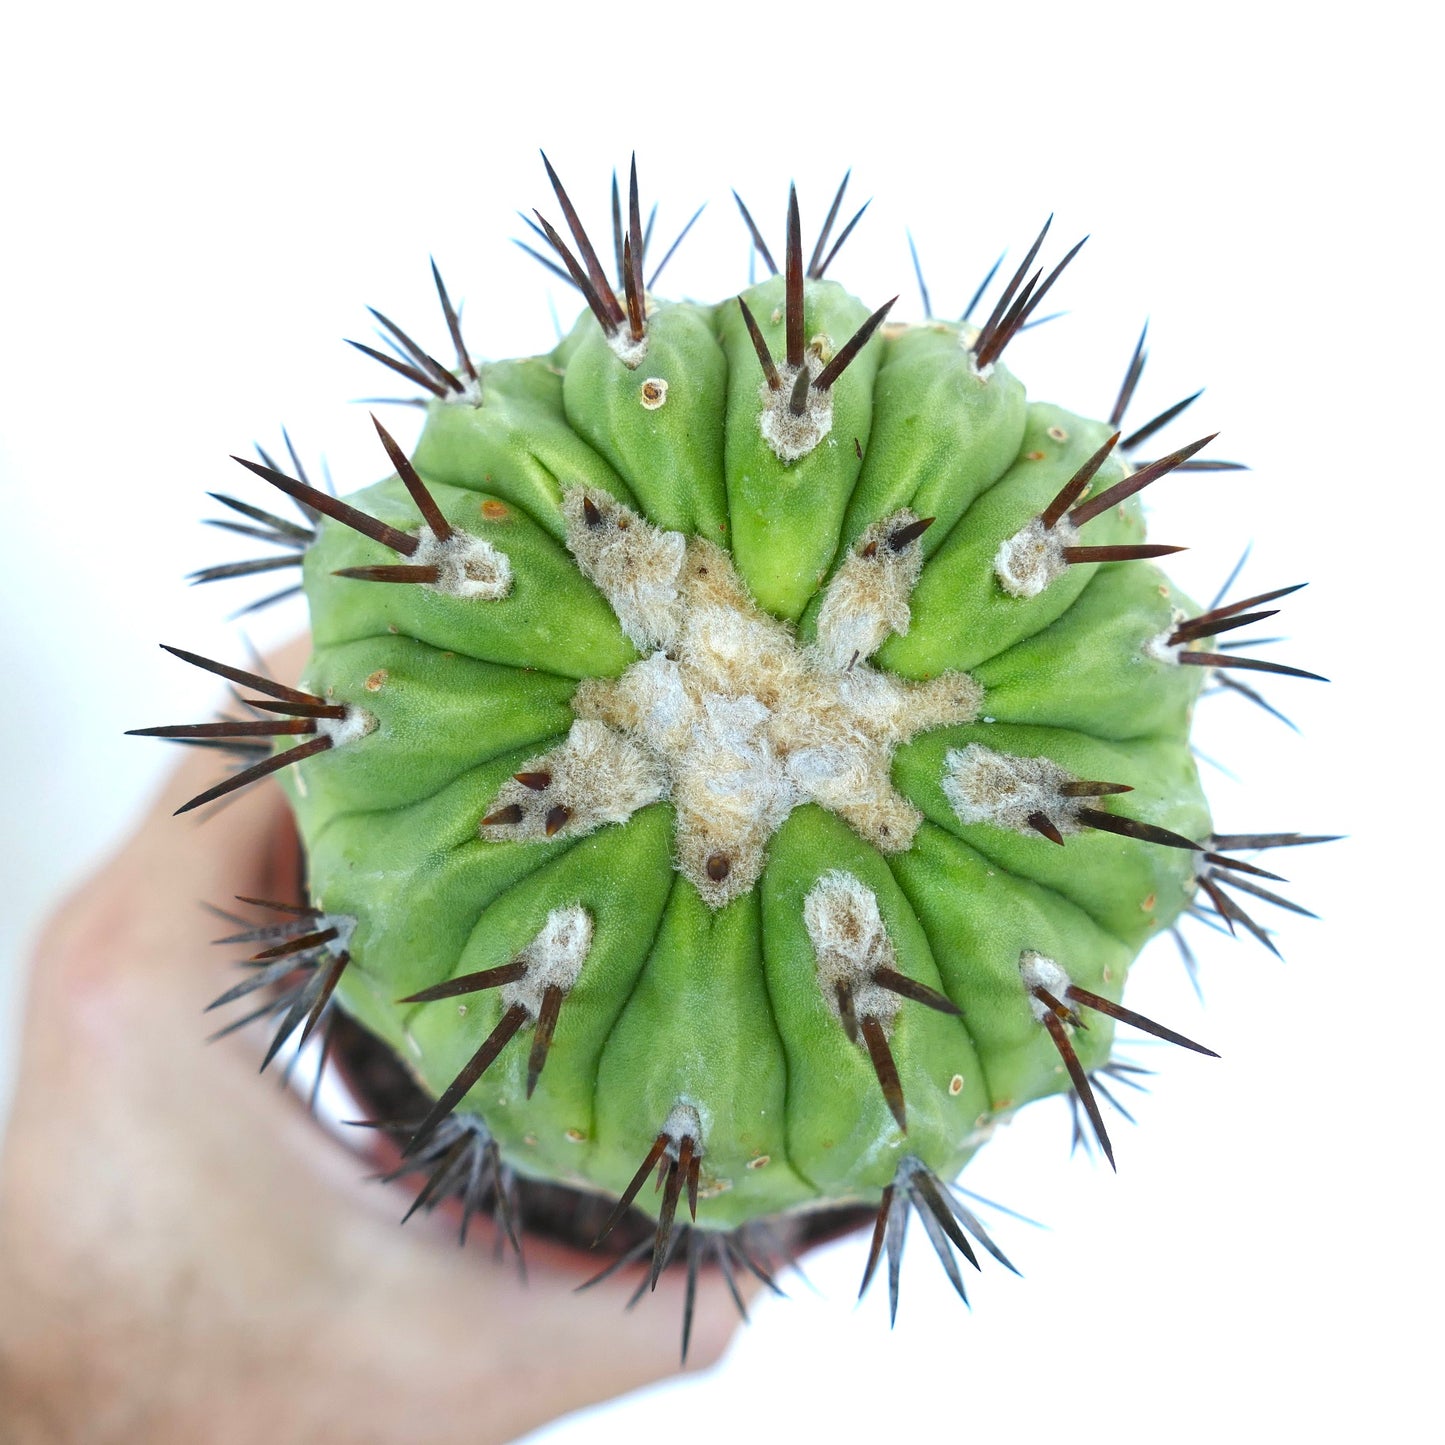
x=185 y=1255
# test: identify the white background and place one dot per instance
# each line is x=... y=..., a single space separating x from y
x=200 y=201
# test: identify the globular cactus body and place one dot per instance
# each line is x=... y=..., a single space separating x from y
x=748 y=743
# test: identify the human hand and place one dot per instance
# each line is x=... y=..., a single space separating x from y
x=186 y=1256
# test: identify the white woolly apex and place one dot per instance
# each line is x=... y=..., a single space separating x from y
x=597 y=776
x=791 y=436
x=1033 y=557
x=342 y=730
x=635 y=565
x=868 y=596
x=468 y=567
x=743 y=725
x=850 y=944
x=1041 y=972
x=554 y=958
x=682 y=1122
x=983 y=786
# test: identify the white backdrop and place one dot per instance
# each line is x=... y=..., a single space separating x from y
x=202 y=199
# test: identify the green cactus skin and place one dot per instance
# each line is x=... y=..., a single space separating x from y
x=677 y=1002
x=723 y=696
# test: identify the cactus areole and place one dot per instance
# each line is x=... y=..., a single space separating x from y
x=747 y=744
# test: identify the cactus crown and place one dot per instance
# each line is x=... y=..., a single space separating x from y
x=766 y=714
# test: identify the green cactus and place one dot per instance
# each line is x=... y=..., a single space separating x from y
x=748 y=743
